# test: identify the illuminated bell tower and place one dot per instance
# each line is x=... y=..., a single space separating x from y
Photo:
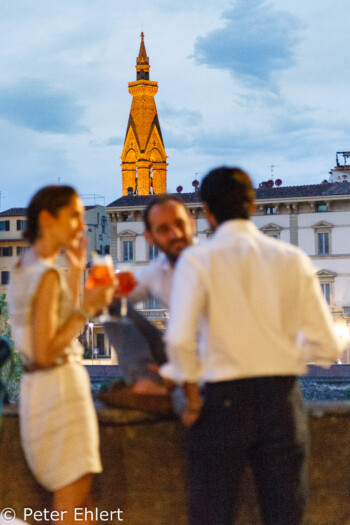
x=143 y=157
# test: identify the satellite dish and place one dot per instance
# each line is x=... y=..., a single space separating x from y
x=195 y=183
x=270 y=183
x=278 y=182
x=179 y=189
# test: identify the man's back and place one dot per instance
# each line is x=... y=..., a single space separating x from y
x=257 y=296
x=249 y=297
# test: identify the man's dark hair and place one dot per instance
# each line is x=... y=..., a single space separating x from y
x=228 y=193
x=159 y=199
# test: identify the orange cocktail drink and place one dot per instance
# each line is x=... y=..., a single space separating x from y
x=126 y=282
x=99 y=275
x=101 y=272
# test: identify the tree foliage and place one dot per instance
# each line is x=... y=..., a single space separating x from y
x=12 y=370
x=5 y=328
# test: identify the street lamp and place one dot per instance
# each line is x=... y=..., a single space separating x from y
x=91 y=339
x=342 y=332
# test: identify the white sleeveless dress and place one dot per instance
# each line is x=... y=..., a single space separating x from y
x=58 y=423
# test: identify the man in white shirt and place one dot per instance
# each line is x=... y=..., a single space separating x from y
x=170 y=227
x=257 y=304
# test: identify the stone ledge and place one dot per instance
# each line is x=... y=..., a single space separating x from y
x=144 y=470
x=115 y=416
x=328 y=408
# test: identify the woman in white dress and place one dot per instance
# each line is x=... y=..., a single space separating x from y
x=58 y=423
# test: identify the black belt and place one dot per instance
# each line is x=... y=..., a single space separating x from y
x=29 y=368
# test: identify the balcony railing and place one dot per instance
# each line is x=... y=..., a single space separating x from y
x=155 y=314
x=346 y=310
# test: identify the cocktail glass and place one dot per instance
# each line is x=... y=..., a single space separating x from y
x=101 y=273
x=127 y=283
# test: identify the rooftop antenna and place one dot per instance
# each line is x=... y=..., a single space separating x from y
x=346 y=155
x=94 y=197
x=1 y=197
x=272 y=167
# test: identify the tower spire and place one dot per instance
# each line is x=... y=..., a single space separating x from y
x=142 y=62
x=143 y=157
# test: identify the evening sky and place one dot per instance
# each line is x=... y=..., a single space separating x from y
x=262 y=85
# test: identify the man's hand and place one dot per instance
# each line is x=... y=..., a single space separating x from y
x=168 y=383
x=194 y=404
x=190 y=416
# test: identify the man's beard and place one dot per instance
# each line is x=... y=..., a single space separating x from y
x=174 y=255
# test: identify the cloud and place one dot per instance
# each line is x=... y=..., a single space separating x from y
x=114 y=141
x=182 y=117
x=42 y=160
x=177 y=141
x=292 y=140
x=255 y=42
x=174 y=121
x=34 y=104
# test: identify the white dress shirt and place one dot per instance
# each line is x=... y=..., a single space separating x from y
x=248 y=298
x=155 y=280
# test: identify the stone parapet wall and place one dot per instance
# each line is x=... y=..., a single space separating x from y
x=144 y=471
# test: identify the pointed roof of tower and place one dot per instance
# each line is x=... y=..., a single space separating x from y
x=142 y=62
x=143 y=156
x=142 y=58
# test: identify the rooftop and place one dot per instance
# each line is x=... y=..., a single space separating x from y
x=14 y=212
x=323 y=190
x=143 y=200
x=6 y=241
x=326 y=189
x=21 y=212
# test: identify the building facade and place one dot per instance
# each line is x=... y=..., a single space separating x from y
x=316 y=218
x=13 y=223
x=97 y=224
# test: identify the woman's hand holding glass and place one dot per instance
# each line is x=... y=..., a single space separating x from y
x=100 y=286
x=96 y=299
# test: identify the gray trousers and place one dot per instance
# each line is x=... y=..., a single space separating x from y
x=138 y=344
